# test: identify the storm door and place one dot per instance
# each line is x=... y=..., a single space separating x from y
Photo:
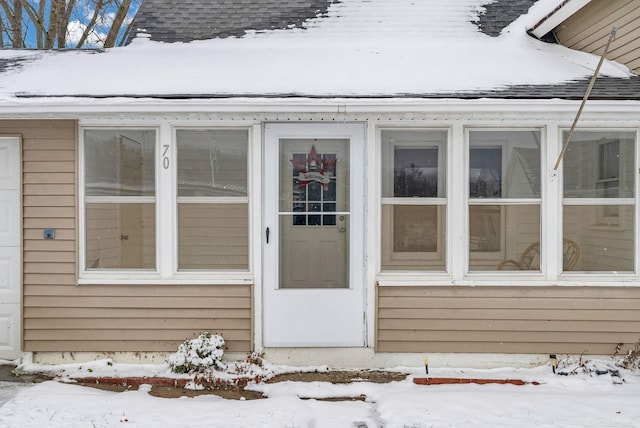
x=313 y=235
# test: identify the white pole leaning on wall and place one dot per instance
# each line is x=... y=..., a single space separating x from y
x=612 y=36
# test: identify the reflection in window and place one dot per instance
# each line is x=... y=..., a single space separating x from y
x=599 y=189
x=413 y=203
x=119 y=196
x=485 y=172
x=415 y=172
x=212 y=162
x=504 y=197
x=212 y=199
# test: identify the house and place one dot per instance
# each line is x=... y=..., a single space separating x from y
x=356 y=183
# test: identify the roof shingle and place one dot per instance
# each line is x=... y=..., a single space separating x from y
x=187 y=20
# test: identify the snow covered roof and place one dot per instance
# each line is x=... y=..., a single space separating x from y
x=172 y=20
x=324 y=49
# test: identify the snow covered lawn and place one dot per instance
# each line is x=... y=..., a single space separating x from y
x=580 y=400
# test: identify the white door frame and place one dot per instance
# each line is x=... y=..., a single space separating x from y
x=10 y=248
x=338 y=314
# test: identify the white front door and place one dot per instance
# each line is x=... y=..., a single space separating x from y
x=313 y=235
x=9 y=248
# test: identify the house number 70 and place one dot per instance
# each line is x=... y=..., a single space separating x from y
x=165 y=156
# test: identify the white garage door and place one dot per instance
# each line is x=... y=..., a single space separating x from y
x=9 y=248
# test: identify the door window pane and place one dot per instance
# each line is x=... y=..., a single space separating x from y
x=314 y=223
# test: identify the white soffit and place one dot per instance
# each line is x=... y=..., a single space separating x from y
x=561 y=13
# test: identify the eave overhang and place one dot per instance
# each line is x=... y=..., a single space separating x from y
x=557 y=16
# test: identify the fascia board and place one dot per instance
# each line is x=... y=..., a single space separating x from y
x=556 y=17
x=76 y=109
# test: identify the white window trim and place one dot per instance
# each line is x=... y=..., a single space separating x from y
x=603 y=276
x=166 y=272
x=443 y=174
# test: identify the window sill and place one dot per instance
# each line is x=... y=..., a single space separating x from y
x=178 y=279
x=522 y=279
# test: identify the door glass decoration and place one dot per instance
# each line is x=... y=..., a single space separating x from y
x=314 y=216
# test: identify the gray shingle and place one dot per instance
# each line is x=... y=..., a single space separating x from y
x=606 y=88
x=501 y=13
x=187 y=20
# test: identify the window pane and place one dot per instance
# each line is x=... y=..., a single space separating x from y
x=212 y=162
x=504 y=164
x=599 y=164
x=600 y=247
x=213 y=236
x=119 y=162
x=413 y=164
x=504 y=237
x=313 y=171
x=413 y=237
x=120 y=236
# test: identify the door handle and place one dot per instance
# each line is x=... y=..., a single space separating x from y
x=267 y=232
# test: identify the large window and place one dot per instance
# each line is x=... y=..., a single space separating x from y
x=413 y=200
x=140 y=193
x=212 y=199
x=599 y=200
x=504 y=199
x=120 y=199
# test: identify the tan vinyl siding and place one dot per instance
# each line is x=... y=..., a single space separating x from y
x=588 y=30
x=538 y=320
x=135 y=317
x=58 y=314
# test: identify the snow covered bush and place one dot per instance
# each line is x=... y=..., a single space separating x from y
x=199 y=355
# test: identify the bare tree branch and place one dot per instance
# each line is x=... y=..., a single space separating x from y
x=46 y=24
x=56 y=9
x=1 y=33
x=63 y=23
x=14 y=18
x=18 y=40
x=90 y=26
x=123 y=9
x=37 y=18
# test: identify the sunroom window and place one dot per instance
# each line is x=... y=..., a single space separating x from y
x=599 y=200
x=188 y=214
x=119 y=199
x=504 y=200
x=212 y=199
x=413 y=199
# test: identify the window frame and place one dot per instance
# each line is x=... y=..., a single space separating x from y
x=166 y=210
x=502 y=202
x=599 y=202
x=388 y=152
x=208 y=200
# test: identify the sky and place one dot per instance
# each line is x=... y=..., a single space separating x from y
x=80 y=17
x=578 y=400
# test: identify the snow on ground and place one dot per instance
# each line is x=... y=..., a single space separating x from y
x=580 y=400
